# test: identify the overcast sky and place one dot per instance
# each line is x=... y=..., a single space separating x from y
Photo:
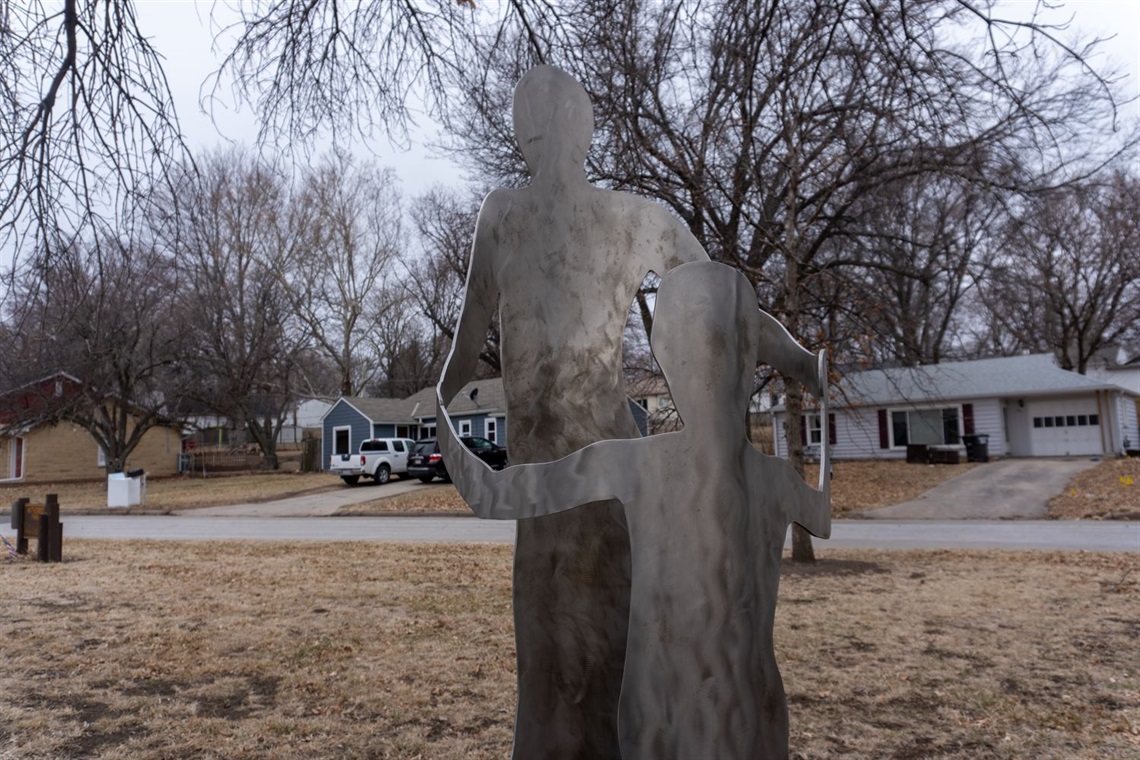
x=181 y=31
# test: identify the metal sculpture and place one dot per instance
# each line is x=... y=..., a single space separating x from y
x=563 y=259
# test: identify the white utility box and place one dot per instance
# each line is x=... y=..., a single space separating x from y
x=125 y=491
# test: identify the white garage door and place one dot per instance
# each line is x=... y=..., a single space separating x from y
x=1065 y=427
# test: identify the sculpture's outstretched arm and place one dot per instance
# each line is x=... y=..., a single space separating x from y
x=666 y=242
x=595 y=473
x=798 y=501
x=780 y=350
x=480 y=296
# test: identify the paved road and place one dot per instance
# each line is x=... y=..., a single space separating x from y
x=1086 y=535
x=1010 y=488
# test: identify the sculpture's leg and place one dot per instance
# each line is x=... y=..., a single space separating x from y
x=572 y=575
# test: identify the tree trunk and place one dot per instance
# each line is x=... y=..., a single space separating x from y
x=802 y=549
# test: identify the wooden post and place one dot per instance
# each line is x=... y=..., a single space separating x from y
x=56 y=553
x=18 y=523
x=52 y=538
x=42 y=537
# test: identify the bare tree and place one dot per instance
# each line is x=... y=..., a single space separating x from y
x=1068 y=282
x=106 y=318
x=346 y=226
x=233 y=240
x=913 y=264
x=764 y=125
x=445 y=221
x=88 y=126
x=411 y=351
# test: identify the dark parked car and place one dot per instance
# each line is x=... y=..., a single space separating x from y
x=426 y=462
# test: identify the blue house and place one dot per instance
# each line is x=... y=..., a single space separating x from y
x=480 y=410
x=352 y=419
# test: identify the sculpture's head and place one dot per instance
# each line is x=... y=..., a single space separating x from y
x=554 y=120
x=706 y=337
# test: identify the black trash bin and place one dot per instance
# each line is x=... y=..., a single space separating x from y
x=977 y=448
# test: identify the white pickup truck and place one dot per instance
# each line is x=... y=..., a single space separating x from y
x=379 y=459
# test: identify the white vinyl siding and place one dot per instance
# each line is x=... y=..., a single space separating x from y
x=857 y=430
x=1129 y=415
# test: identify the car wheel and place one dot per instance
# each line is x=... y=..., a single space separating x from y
x=383 y=472
x=426 y=478
x=350 y=479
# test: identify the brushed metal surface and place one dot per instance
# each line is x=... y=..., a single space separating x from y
x=707 y=517
x=562 y=261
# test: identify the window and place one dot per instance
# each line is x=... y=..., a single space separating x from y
x=1070 y=420
x=374 y=445
x=465 y=427
x=427 y=431
x=1038 y=422
x=101 y=457
x=342 y=440
x=1082 y=419
x=398 y=446
x=1094 y=419
x=662 y=402
x=1048 y=422
x=814 y=430
x=492 y=431
x=926 y=426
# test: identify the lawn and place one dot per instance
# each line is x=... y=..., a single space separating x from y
x=1111 y=489
x=355 y=650
x=165 y=494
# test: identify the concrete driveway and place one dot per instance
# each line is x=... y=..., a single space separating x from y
x=1010 y=488
x=321 y=504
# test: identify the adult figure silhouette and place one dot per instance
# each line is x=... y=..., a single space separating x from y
x=564 y=259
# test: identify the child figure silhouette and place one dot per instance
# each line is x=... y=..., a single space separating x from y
x=707 y=515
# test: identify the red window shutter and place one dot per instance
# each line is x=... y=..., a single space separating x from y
x=803 y=430
x=830 y=429
x=884 y=434
x=967 y=419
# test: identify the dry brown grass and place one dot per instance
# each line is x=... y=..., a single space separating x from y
x=225 y=650
x=1111 y=489
x=434 y=498
x=165 y=494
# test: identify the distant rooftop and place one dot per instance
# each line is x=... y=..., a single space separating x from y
x=1032 y=375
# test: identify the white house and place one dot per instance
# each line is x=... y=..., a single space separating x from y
x=1027 y=405
x=1113 y=366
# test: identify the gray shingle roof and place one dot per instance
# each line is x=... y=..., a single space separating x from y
x=421 y=404
x=1032 y=375
x=392 y=410
x=490 y=398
